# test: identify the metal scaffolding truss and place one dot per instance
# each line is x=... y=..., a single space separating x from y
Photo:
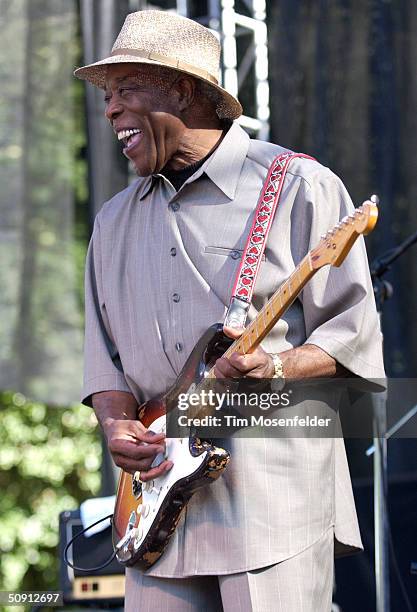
x=241 y=27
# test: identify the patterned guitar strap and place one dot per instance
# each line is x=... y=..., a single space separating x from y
x=256 y=242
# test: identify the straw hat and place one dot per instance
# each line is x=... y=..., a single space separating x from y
x=166 y=39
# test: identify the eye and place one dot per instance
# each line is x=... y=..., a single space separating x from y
x=123 y=90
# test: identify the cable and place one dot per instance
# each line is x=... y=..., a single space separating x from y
x=88 y=569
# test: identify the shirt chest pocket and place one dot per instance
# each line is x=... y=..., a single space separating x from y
x=220 y=266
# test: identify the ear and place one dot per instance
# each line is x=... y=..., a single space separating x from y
x=185 y=89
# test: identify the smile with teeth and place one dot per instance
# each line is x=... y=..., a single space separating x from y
x=126 y=135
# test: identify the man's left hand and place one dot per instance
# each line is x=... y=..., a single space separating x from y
x=258 y=364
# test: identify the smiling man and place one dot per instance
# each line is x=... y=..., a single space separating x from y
x=160 y=269
x=161 y=116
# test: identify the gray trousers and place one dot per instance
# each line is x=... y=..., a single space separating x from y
x=302 y=583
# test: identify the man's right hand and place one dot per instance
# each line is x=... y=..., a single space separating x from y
x=134 y=448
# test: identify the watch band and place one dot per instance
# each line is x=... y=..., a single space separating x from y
x=278 y=367
x=278 y=379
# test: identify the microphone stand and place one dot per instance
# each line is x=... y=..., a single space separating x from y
x=383 y=291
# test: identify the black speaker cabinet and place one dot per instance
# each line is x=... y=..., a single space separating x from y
x=105 y=586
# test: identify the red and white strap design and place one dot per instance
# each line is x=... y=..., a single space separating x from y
x=256 y=242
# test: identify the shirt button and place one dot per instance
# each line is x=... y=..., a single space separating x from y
x=178 y=346
x=235 y=255
x=175 y=206
x=173 y=251
x=176 y=297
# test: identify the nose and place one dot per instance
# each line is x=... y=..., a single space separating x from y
x=113 y=109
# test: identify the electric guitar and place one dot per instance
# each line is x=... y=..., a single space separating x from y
x=146 y=514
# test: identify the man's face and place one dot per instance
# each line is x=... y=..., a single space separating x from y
x=143 y=111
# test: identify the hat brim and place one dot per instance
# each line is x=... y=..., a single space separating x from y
x=229 y=107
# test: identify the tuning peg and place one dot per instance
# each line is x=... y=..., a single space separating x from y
x=374 y=199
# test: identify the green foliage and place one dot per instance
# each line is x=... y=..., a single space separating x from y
x=50 y=460
x=49 y=456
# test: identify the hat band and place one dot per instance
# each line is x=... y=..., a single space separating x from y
x=169 y=61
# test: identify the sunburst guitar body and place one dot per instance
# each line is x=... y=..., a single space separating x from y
x=146 y=514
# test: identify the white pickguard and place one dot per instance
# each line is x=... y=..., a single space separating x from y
x=154 y=492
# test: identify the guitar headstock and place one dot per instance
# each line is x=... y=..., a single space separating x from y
x=336 y=244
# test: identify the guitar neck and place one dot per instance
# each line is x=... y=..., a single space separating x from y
x=273 y=310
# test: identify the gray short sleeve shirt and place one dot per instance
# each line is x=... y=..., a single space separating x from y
x=160 y=270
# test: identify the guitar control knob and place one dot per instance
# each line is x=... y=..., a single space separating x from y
x=143 y=510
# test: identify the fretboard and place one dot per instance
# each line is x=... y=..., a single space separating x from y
x=273 y=310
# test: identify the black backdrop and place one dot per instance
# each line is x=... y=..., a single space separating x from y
x=344 y=89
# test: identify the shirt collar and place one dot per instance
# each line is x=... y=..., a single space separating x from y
x=223 y=167
x=147 y=185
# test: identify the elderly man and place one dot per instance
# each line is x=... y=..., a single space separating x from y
x=160 y=269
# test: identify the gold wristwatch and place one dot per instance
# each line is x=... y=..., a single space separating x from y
x=278 y=379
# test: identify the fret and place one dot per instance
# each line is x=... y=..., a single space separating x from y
x=286 y=294
x=278 y=302
x=255 y=323
x=250 y=342
x=268 y=313
x=245 y=345
x=253 y=333
x=258 y=330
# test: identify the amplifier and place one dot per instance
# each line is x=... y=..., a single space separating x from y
x=103 y=586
